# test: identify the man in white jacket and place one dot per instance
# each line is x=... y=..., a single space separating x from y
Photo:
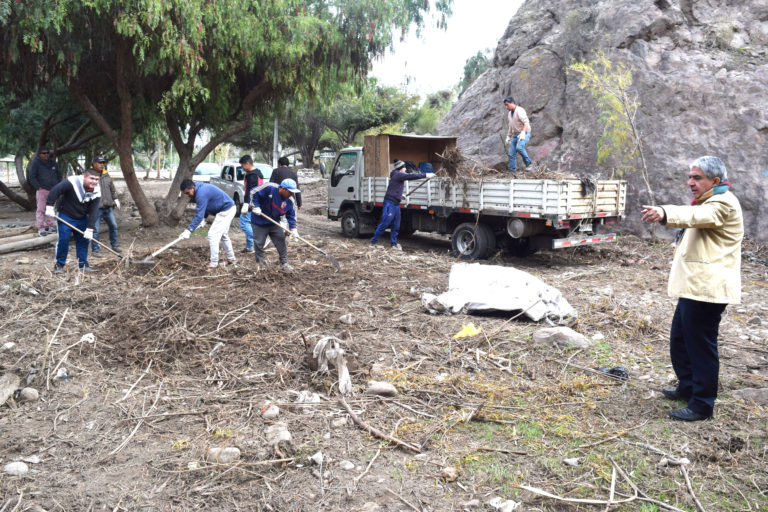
x=705 y=277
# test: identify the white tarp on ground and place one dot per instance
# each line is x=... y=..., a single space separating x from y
x=476 y=287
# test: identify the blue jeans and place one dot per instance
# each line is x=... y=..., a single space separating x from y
x=245 y=225
x=65 y=235
x=108 y=214
x=390 y=218
x=693 y=350
x=518 y=146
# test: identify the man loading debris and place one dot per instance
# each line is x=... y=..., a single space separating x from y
x=211 y=200
x=273 y=201
x=705 y=277
x=390 y=215
x=79 y=206
x=518 y=135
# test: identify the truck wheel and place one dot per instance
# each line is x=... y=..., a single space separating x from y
x=350 y=223
x=238 y=205
x=471 y=242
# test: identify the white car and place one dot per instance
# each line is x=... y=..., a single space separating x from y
x=231 y=177
x=205 y=171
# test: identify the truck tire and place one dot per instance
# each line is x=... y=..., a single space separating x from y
x=238 y=205
x=350 y=223
x=472 y=242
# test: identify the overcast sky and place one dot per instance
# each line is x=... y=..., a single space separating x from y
x=436 y=61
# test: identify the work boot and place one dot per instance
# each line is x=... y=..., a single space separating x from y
x=687 y=415
x=58 y=269
x=287 y=266
x=397 y=247
x=247 y=250
x=117 y=249
x=88 y=268
x=95 y=254
x=674 y=394
x=42 y=232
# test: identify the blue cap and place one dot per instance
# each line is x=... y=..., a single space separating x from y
x=289 y=184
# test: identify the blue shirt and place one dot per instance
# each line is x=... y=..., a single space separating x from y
x=210 y=201
x=272 y=205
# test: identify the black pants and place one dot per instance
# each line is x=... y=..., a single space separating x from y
x=277 y=235
x=693 y=350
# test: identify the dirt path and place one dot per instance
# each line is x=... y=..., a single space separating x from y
x=185 y=360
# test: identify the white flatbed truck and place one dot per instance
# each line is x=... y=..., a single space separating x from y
x=481 y=215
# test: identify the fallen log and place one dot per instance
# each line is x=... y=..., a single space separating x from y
x=31 y=243
x=16 y=231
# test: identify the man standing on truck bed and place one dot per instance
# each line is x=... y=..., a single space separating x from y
x=390 y=216
x=211 y=200
x=518 y=135
x=705 y=276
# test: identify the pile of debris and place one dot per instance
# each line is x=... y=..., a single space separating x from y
x=457 y=167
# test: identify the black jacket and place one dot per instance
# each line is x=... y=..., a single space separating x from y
x=44 y=175
x=281 y=173
x=71 y=205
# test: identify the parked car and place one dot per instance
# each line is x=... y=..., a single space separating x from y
x=231 y=177
x=205 y=171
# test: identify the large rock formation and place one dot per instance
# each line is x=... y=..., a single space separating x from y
x=700 y=74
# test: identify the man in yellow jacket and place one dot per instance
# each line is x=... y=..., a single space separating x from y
x=705 y=277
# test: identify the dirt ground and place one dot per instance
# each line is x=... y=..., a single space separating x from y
x=184 y=360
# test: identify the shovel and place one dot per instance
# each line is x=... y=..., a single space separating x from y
x=149 y=261
x=91 y=240
x=330 y=257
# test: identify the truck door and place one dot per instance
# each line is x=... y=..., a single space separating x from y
x=344 y=182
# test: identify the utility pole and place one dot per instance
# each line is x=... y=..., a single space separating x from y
x=275 y=147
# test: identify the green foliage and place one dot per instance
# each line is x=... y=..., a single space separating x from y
x=354 y=112
x=620 y=143
x=424 y=119
x=473 y=68
x=608 y=84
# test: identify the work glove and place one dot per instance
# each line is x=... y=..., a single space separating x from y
x=257 y=210
x=50 y=211
x=294 y=234
x=117 y=204
x=88 y=234
x=429 y=175
x=508 y=140
x=202 y=225
x=244 y=209
x=185 y=234
x=521 y=136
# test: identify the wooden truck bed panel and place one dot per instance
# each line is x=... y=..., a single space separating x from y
x=541 y=197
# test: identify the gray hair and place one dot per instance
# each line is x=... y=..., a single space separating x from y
x=711 y=166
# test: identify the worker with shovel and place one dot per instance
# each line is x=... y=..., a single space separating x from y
x=79 y=207
x=272 y=201
x=211 y=200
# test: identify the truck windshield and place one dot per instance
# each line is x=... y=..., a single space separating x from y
x=344 y=164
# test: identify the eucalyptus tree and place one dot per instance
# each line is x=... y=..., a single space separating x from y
x=202 y=65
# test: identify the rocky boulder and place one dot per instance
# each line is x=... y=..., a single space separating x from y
x=700 y=72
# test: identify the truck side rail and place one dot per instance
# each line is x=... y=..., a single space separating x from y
x=539 y=198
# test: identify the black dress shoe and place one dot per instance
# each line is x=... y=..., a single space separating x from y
x=687 y=415
x=674 y=394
